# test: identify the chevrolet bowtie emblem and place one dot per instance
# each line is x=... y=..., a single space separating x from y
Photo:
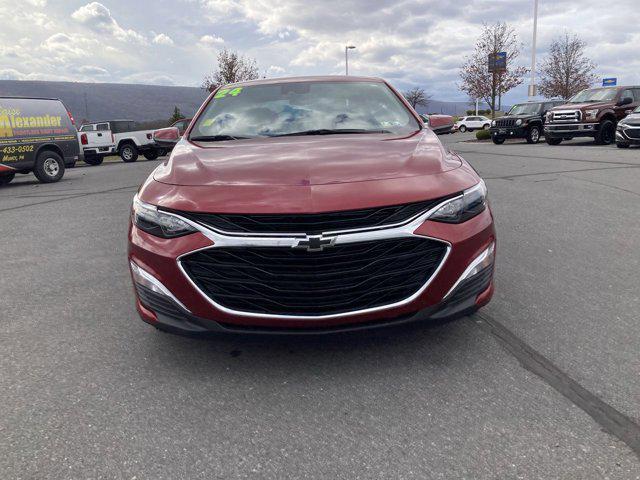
x=315 y=243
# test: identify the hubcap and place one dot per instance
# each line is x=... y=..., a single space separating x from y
x=535 y=134
x=127 y=153
x=51 y=167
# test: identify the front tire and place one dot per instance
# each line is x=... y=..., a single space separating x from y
x=486 y=126
x=606 y=133
x=533 y=135
x=553 y=141
x=49 y=167
x=128 y=153
x=622 y=145
x=7 y=178
x=151 y=154
x=497 y=140
x=462 y=129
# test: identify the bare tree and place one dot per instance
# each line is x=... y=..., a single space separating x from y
x=417 y=96
x=232 y=68
x=566 y=70
x=477 y=81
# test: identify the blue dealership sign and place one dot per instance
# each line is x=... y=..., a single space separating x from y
x=498 y=62
x=609 y=82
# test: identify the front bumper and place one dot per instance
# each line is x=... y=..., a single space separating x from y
x=194 y=313
x=563 y=130
x=508 y=132
x=628 y=135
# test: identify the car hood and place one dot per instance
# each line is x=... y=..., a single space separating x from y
x=632 y=119
x=582 y=106
x=307 y=174
x=305 y=160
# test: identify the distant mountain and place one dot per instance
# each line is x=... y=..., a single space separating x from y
x=104 y=101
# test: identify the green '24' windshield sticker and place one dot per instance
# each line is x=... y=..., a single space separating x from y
x=228 y=92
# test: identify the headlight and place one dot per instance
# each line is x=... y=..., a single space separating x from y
x=518 y=122
x=493 y=123
x=462 y=208
x=591 y=114
x=148 y=218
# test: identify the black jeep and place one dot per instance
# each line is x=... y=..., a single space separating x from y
x=524 y=120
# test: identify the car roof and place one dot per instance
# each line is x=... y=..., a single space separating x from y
x=107 y=121
x=318 y=78
x=29 y=98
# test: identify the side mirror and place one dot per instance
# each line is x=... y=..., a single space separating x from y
x=166 y=137
x=624 y=101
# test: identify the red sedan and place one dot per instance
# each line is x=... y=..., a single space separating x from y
x=309 y=205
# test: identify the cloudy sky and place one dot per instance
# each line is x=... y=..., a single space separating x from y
x=409 y=42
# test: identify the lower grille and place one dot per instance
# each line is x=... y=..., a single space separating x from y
x=340 y=279
x=472 y=286
x=632 y=133
x=159 y=303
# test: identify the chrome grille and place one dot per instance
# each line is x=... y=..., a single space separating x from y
x=572 y=116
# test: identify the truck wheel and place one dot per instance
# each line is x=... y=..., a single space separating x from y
x=553 y=141
x=49 y=167
x=128 y=153
x=462 y=129
x=162 y=152
x=151 y=154
x=93 y=159
x=6 y=178
x=497 y=140
x=533 y=135
x=606 y=134
x=486 y=126
x=622 y=145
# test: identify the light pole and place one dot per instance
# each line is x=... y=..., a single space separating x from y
x=346 y=58
x=532 y=87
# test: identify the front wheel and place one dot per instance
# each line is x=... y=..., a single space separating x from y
x=606 y=133
x=151 y=154
x=498 y=140
x=462 y=128
x=49 y=167
x=486 y=126
x=533 y=135
x=6 y=178
x=553 y=141
x=128 y=153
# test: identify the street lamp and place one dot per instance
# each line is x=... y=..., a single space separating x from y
x=346 y=58
x=532 y=87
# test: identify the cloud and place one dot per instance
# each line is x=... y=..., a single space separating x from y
x=162 y=39
x=211 y=40
x=91 y=70
x=98 y=17
x=150 y=78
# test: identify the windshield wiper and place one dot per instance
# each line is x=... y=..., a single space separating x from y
x=215 y=138
x=329 y=131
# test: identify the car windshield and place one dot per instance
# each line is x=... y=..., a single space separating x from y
x=636 y=110
x=303 y=108
x=525 y=109
x=594 y=95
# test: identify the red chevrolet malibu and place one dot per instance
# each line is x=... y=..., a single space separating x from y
x=309 y=205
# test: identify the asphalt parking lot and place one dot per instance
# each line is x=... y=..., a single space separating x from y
x=543 y=383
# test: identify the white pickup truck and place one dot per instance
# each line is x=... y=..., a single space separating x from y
x=101 y=139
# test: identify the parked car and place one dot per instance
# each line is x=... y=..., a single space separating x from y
x=524 y=120
x=438 y=123
x=593 y=112
x=309 y=205
x=628 y=130
x=181 y=125
x=473 y=123
x=122 y=137
x=36 y=135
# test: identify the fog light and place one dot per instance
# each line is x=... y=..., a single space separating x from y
x=482 y=261
x=145 y=279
